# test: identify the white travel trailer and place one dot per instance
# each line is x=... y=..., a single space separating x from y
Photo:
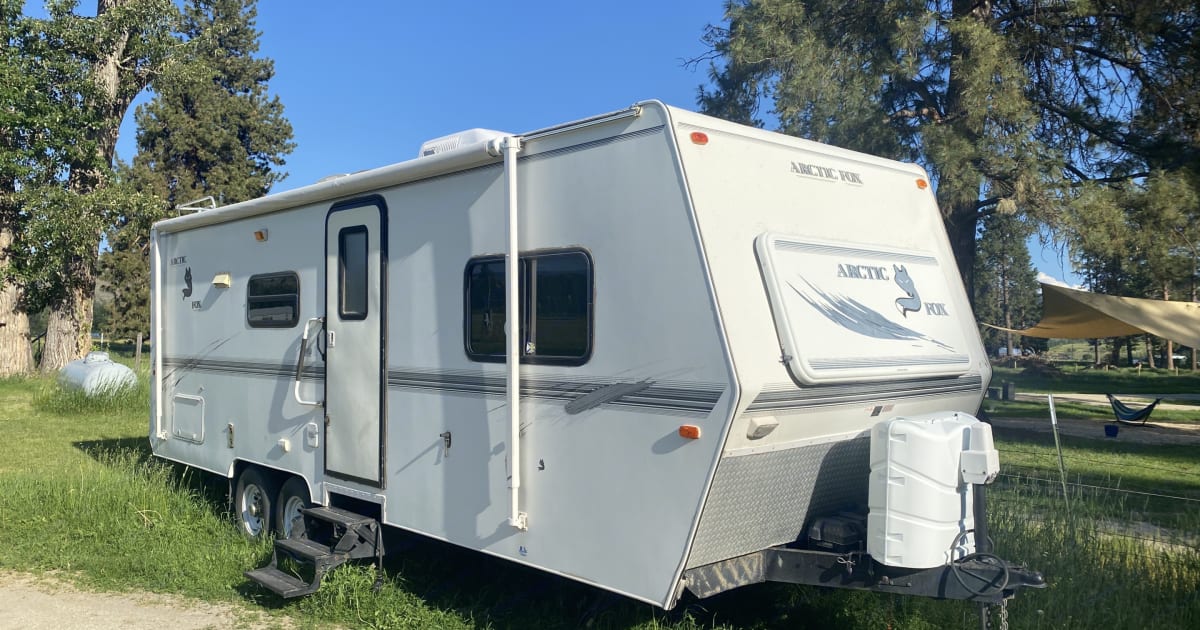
x=713 y=321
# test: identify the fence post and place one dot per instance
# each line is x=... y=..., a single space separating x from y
x=1062 y=467
x=137 y=354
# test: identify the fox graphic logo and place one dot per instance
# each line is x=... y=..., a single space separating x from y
x=911 y=303
x=187 y=280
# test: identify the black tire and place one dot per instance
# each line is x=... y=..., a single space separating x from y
x=292 y=497
x=252 y=503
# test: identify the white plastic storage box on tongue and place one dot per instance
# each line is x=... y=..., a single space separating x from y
x=919 y=504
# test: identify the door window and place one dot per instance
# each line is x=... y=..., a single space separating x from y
x=352 y=272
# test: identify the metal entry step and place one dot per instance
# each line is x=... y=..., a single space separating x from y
x=329 y=538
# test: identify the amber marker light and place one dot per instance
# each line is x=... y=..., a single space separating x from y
x=260 y=235
x=699 y=137
x=922 y=184
x=689 y=431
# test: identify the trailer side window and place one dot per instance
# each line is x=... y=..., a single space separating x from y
x=273 y=300
x=556 y=308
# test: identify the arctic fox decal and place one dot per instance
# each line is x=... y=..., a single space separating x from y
x=911 y=303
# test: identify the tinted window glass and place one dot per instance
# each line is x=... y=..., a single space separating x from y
x=562 y=305
x=556 y=308
x=485 y=294
x=352 y=272
x=273 y=300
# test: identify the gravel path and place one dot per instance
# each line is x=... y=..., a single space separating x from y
x=33 y=602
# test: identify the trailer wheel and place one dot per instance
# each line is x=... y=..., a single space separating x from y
x=252 y=503
x=293 y=497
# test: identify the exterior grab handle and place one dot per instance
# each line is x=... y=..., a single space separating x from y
x=300 y=363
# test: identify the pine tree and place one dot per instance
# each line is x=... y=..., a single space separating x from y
x=1010 y=104
x=1006 y=287
x=217 y=133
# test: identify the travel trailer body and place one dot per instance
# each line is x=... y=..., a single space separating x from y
x=713 y=318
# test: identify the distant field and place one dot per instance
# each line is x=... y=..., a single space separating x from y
x=81 y=495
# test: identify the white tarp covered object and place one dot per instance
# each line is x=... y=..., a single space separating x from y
x=1074 y=314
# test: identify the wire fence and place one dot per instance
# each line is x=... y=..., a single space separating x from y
x=1178 y=511
x=1117 y=534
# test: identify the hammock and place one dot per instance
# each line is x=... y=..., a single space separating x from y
x=1125 y=413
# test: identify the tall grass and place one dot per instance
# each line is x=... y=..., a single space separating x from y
x=1101 y=574
x=81 y=494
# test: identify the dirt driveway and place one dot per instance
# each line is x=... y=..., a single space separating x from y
x=31 y=602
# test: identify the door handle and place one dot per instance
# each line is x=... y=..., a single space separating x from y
x=300 y=362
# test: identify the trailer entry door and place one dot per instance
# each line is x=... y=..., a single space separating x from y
x=356 y=354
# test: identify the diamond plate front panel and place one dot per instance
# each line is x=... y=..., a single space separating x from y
x=763 y=500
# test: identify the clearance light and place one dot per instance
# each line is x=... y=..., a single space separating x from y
x=260 y=235
x=922 y=184
x=689 y=431
x=700 y=138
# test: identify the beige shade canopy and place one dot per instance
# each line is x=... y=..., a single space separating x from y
x=1072 y=314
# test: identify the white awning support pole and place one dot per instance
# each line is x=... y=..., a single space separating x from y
x=511 y=146
x=156 y=336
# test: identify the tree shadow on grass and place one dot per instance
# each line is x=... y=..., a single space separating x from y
x=213 y=489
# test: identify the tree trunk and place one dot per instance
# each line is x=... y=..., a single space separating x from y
x=1150 y=351
x=16 y=355
x=68 y=331
x=958 y=191
x=961 y=226
x=1170 y=349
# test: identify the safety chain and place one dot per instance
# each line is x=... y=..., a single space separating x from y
x=1004 y=614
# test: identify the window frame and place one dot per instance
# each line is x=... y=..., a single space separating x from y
x=527 y=314
x=344 y=314
x=294 y=321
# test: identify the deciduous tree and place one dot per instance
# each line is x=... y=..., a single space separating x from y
x=125 y=46
x=216 y=132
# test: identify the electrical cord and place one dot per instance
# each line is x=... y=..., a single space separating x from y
x=987 y=558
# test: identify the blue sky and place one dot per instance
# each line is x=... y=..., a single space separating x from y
x=365 y=82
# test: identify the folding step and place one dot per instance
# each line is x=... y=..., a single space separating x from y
x=305 y=550
x=282 y=584
x=337 y=516
x=330 y=537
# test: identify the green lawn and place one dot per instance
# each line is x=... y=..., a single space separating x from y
x=81 y=495
x=1122 y=381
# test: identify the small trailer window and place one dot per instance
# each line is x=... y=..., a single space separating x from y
x=273 y=300
x=556 y=308
x=352 y=272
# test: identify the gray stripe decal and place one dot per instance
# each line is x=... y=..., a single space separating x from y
x=853 y=251
x=785 y=397
x=240 y=367
x=661 y=396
